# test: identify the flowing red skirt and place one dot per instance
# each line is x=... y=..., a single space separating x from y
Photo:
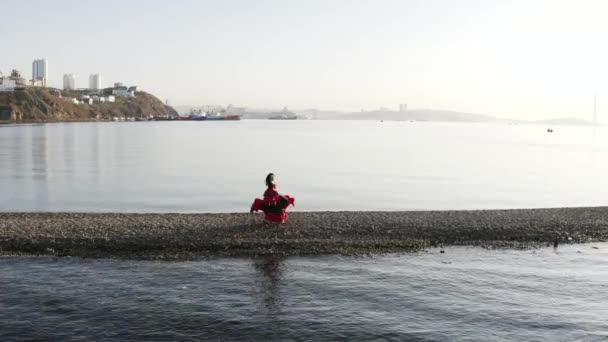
x=275 y=209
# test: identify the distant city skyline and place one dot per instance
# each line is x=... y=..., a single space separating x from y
x=518 y=59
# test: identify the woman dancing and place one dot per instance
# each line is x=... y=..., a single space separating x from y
x=273 y=205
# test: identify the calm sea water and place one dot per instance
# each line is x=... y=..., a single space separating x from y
x=465 y=294
x=327 y=165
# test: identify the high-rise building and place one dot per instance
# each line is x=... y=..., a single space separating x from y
x=94 y=82
x=40 y=72
x=403 y=107
x=69 y=82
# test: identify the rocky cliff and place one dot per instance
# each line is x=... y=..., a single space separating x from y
x=44 y=104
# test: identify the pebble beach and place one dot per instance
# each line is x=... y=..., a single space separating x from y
x=191 y=236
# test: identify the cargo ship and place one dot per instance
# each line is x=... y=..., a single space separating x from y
x=201 y=116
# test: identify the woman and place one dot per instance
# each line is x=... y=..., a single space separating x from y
x=273 y=205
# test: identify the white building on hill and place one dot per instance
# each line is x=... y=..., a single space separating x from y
x=69 y=82
x=6 y=84
x=95 y=82
x=124 y=91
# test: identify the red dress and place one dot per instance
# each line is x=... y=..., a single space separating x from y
x=273 y=205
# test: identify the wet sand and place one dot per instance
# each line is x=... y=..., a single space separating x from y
x=191 y=236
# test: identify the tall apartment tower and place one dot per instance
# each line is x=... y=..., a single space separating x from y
x=69 y=82
x=40 y=72
x=95 y=82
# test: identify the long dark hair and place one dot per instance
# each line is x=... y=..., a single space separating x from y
x=269 y=179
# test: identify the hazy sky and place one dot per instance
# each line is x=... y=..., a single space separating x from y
x=520 y=59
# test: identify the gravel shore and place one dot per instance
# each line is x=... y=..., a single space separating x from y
x=189 y=236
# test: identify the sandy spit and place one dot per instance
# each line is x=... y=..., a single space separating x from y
x=191 y=236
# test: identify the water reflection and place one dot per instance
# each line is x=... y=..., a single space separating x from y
x=69 y=150
x=13 y=169
x=17 y=149
x=270 y=270
x=40 y=167
x=39 y=154
x=95 y=156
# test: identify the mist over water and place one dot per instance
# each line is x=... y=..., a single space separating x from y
x=327 y=165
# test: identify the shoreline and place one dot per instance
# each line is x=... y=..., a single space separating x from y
x=191 y=236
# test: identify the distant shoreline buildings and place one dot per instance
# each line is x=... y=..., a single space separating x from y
x=95 y=93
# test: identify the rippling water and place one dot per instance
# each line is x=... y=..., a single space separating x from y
x=327 y=165
x=465 y=294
